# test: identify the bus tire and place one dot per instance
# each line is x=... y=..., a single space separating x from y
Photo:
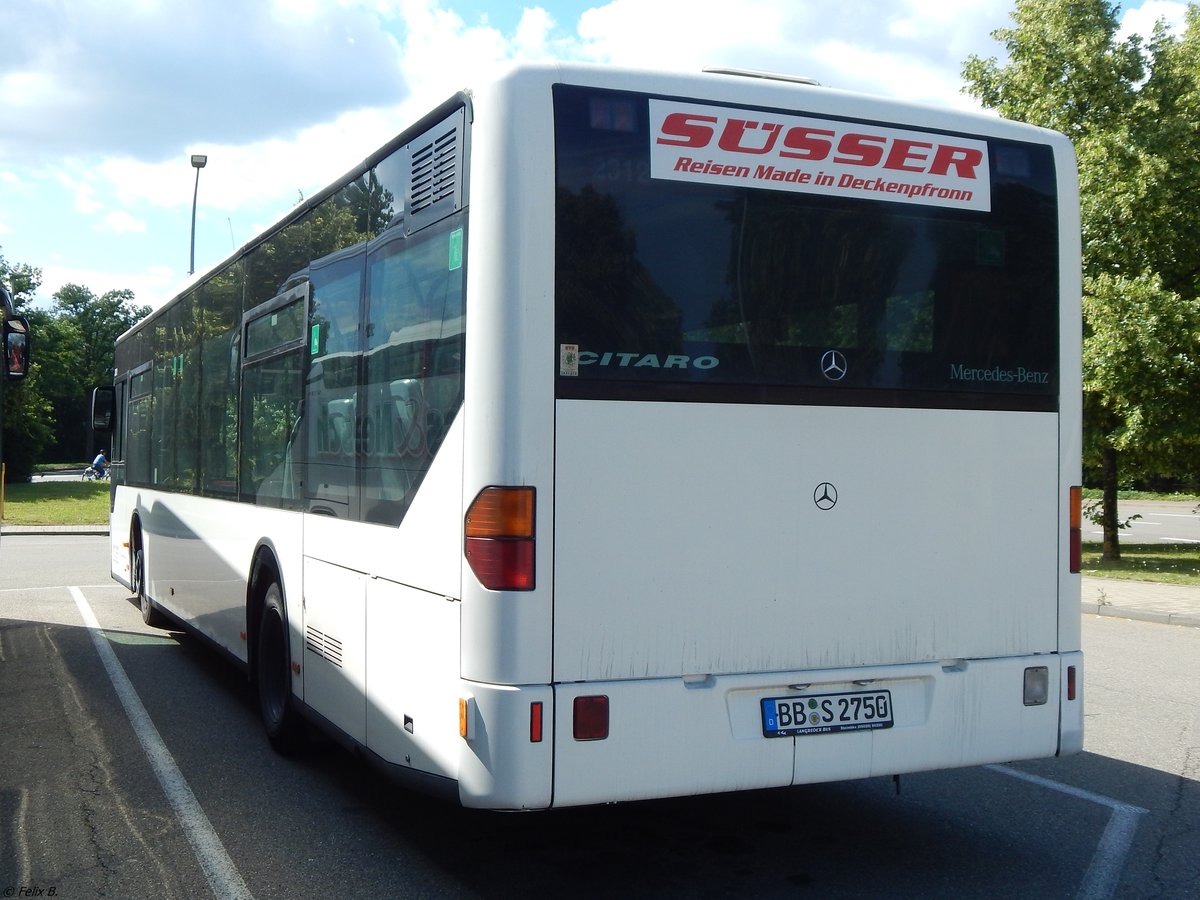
x=284 y=726
x=151 y=614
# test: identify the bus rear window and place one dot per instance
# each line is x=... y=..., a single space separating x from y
x=720 y=291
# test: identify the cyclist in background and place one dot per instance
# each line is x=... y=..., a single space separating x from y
x=100 y=464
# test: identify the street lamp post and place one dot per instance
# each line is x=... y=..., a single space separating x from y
x=198 y=162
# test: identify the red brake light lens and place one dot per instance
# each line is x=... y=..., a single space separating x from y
x=590 y=721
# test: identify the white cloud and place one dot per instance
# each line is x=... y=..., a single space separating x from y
x=83 y=191
x=664 y=34
x=142 y=80
x=533 y=32
x=1143 y=19
x=151 y=286
x=121 y=222
x=907 y=48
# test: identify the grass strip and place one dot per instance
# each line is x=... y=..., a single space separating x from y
x=1162 y=563
x=56 y=503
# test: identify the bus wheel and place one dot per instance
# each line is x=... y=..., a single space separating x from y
x=284 y=726
x=151 y=615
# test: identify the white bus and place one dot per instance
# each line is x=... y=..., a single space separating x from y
x=613 y=435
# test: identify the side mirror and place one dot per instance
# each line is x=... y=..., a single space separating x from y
x=104 y=404
x=16 y=347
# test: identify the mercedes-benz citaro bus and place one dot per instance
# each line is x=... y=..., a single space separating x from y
x=613 y=435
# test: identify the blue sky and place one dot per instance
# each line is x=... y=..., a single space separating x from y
x=103 y=102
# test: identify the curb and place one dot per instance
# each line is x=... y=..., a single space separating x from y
x=13 y=530
x=1191 y=620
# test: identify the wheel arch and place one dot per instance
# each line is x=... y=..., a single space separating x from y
x=265 y=570
x=135 y=528
x=137 y=541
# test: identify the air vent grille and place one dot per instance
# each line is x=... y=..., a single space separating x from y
x=435 y=170
x=323 y=645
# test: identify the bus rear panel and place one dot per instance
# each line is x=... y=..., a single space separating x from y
x=813 y=439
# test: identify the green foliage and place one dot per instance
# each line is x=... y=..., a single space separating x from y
x=97 y=323
x=27 y=418
x=1064 y=69
x=1141 y=369
x=71 y=352
x=1133 y=112
x=22 y=279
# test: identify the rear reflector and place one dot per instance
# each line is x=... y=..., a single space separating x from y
x=500 y=538
x=535 y=722
x=1076 y=532
x=590 y=722
x=466 y=718
x=1070 y=682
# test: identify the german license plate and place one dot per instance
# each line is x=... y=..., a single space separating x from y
x=826 y=713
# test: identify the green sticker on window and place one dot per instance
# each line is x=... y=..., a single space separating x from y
x=314 y=340
x=456 y=249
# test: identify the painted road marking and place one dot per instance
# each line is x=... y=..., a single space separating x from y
x=223 y=876
x=1104 y=872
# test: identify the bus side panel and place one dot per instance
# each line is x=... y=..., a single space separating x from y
x=121 y=567
x=425 y=550
x=199 y=571
x=412 y=678
x=509 y=398
x=334 y=664
x=1070 y=336
x=369 y=592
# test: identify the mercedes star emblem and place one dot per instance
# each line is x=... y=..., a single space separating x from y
x=825 y=496
x=833 y=365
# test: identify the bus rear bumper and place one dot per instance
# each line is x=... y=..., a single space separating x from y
x=675 y=737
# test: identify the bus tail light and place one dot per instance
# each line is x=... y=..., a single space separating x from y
x=500 y=538
x=1076 y=532
x=590 y=722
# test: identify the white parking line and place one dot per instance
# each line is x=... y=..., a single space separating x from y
x=1104 y=872
x=223 y=876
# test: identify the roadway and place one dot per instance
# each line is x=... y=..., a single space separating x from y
x=1160 y=522
x=134 y=765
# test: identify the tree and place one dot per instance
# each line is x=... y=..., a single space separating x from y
x=1131 y=112
x=1141 y=376
x=77 y=349
x=99 y=322
x=72 y=352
